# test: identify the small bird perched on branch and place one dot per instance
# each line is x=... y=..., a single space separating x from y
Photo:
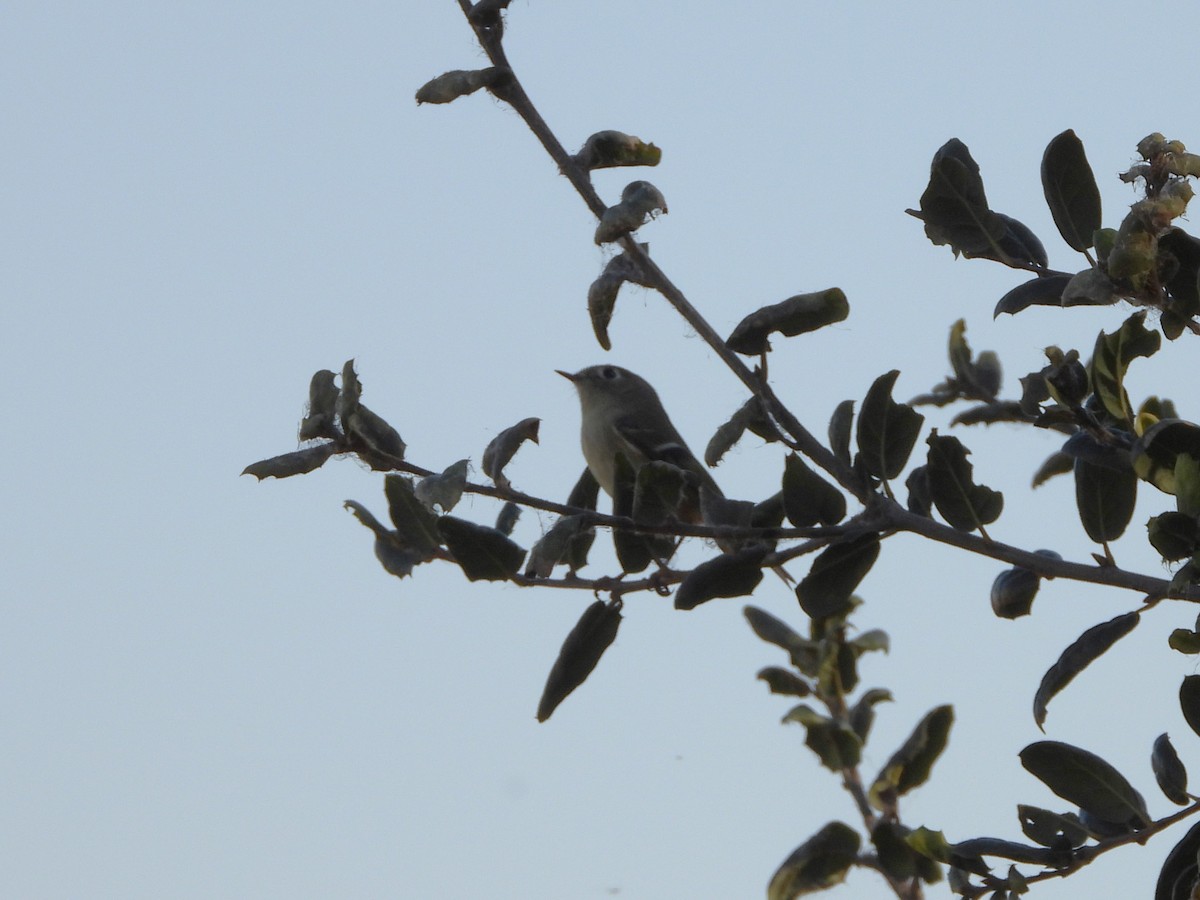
x=622 y=414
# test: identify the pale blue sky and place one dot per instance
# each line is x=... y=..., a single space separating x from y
x=208 y=686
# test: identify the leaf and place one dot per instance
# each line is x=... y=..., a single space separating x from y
x=920 y=495
x=639 y=200
x=750 y=416
x=795 y=315
x=1017 y=244
x=1185 y=641
x=1085 y=650
x=1071 y=191
x=954 y=206
x=728 y=575
x=634 y=551
x=834 y=744
x=895 y=856
x=909 y=767
x=962 y=503
x=887 y=430
x=376 y=442
x=459 y=83
x=804 y=653
x=506 y=519
x=608 y=149
x=1046 y=291
x=297 y=462
x=483 y=553
x=819 y=863
x=807 y=498
x=1091 y=287
x=445 y=489
x=1111 y=359
x=1087 y=781
x=1169 y=771
x=1013 y=592
x=416 y=527
x=322 y=408
x=1174 y=535
x=839 y=430
x=825 y=591
x=1189 y=701
x=1057 y=463
x=1105 y=500
x=1156 y=453
x=784 y=681
x=602 y=295
x=501 y=449
x=1180 y=874
x=862 y=713
x=554 y=546
x=581 y=651
x=1051 y=829
x=393 y=554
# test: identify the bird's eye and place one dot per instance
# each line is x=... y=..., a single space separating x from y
x=608 y=373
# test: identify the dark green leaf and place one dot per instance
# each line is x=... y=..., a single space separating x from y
x=639 y=200
x=793 y=316
x=1057 y=463
x=1105 y=500
x=807 y=498
x=749 y=417
x=460 y=82
x=444 y=489
x=609 y=149
x=804 y=653
x=376 y=442
x=1071 y=191
x=1086 y=780
x=396 y=557
x=602 y=295
x=962 y=503
x=909 y=767
x=898 y=859
x=296 y=463
x=819 y=863
x=1156 y=453
x=862 y=713
x=1185 y=641
x=836 y=745
x=887 y=430
x=482 y=552
x=581 y=651
x=920 y=494
x=504 y=446
x=1183 y=281
x=1050 y=829
x=506 y=519
x=554 y=546
x=1013 y=592
x=1017 y=244
x=416 y=527
x=977 y=848
x=1091 y=287
x=322 y=408
x=954 y=206
x=728 y=575
x=1180 y=875
x=1086 y=649
x=784 y=681
x=1169 y=772
x=1111 y=358
x=1174 y=535
x=1045 y=291
x=634 y=551
x=835 y=573
x=1189 y=701
x=839 y=430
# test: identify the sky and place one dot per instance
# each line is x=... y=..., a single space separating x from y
x=208 y=686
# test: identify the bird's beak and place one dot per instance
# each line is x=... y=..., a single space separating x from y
x=566 y=375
